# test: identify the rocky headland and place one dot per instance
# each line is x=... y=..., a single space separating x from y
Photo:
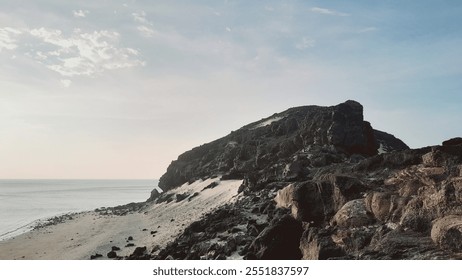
x=311 y=182
x=321 y=183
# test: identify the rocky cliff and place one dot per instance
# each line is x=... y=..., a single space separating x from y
x=321 y=183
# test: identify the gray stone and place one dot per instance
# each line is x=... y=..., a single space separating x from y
x=352 y=214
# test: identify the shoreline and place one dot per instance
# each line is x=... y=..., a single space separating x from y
x=93 y=234
x=84 y=235
x=26 y=203
x=31 y=226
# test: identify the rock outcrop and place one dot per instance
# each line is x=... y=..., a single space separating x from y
x=321 y=183
x=284 y=144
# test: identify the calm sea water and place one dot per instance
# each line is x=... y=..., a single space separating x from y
x=22 y=202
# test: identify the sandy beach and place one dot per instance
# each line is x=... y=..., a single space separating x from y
x=96 y=232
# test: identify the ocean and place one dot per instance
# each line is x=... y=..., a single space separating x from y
x=23 y=202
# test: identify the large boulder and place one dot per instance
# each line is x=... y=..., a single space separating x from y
x=398 y=245
x=386 y=206
x=447 y=232
x=313 y=202
x=352 y=214
x=279 y=241
x=284 y=197
x=317 y=244
x=154 y=195
x=317 y=201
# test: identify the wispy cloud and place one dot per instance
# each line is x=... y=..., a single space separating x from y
x=83 y=53
x=145 y=30
x=80 y=13
x=325 y=11
x=368 y=29
x=305 y=43
x=145 y=27
x=8 y=39
x=140 y=17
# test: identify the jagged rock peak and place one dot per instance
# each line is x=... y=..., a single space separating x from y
x=315 y=134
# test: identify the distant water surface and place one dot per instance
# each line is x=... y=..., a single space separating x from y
x=24 y=201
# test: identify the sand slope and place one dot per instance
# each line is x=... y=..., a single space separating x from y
x=89 y=233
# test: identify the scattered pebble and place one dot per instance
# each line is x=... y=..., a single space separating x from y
x=112 y=255
x=95 y=256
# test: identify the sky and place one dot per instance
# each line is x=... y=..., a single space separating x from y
x=118 y=89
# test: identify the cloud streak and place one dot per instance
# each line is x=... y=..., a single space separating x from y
x=140 y=17
x=368 y=29
x=8 y=39
x=324 y=11
x=145 y=31
x=80 y=13
x=145 y=27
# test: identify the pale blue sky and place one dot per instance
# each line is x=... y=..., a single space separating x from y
x=118 y=89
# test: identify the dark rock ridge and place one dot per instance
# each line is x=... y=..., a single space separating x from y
x=334 y=132
x=321 y=183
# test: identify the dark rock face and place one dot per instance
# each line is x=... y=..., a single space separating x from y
x=388 y=143
x=255 y=148
x=280 y=240
x=315 y=135
x=139 y=254
x=453 y=142
x=320 y=183
x=317 y=244
x=154 y=194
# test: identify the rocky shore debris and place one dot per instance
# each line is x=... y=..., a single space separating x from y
x=112 y=255
x=95 y=256
x=121 y=210
x=54 y=220
x=139 y=253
